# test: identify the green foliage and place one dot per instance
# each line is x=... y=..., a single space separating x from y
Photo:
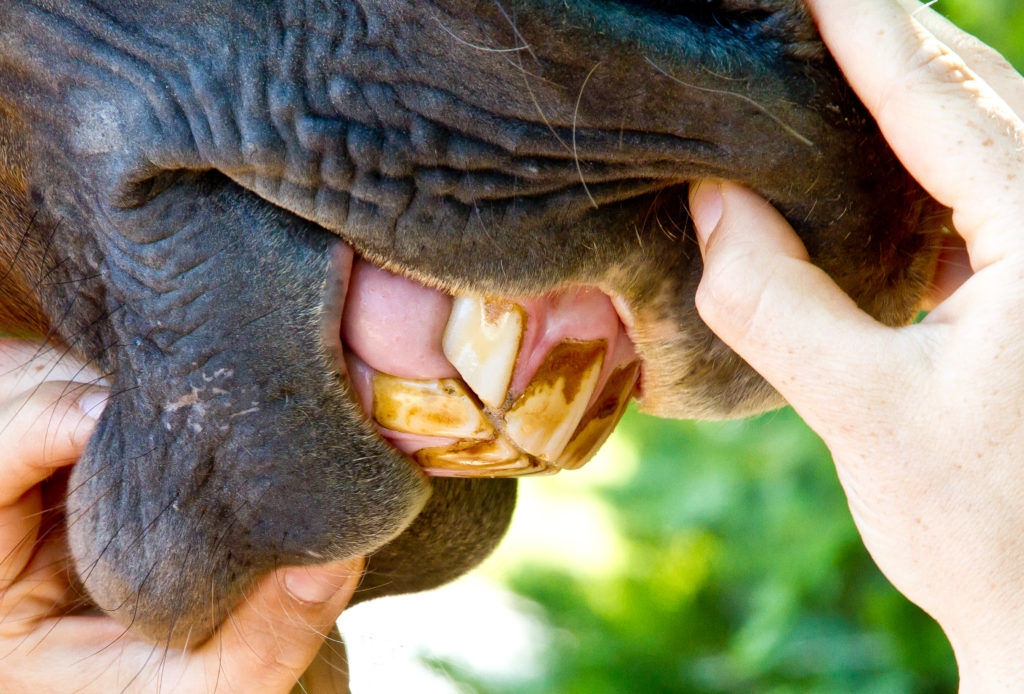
x=1000 y=23
x=742 y=571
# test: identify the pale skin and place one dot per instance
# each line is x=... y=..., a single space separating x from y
x=923 y=422
x=48 y=405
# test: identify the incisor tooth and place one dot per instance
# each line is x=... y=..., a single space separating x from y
x=601 y=418
x=482 y=342
x=494 y=458
x=544 y=417
x=435 y=408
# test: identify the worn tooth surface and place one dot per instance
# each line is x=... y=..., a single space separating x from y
x=482 y=342
x=542 y=420
x=494 y=458
x=599 y=421
x=439 y=407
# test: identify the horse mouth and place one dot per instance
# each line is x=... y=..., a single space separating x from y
x=470 y=385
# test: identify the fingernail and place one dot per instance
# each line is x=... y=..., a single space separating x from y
x=706 y=209
x=317 y=584
x=93 y=402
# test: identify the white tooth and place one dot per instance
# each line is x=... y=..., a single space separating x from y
x=545 y=416
x=482 y=342
x=433 y=408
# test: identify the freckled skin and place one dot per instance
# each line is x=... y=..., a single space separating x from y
x=173 y=177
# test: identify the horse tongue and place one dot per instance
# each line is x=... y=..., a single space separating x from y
x=395 y=324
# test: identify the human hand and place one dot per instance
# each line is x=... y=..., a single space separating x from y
x=48 y=406
x=924 y=422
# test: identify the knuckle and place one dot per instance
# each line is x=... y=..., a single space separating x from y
x=283 y=656
x=934 y=62
x=929 y=65
x=289 y=661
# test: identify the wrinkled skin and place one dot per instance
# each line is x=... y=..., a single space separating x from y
x=173 y=176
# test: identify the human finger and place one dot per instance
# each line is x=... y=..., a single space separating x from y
x=329 y=670
x=39 y=430
x=19 y=528
x=989 y=63
x=25 y=364
x=265 y=645
x=952 y=269
x=42 y=429
x=270 y=640
x=949 y=127
x=783 y=315
x=41 y=588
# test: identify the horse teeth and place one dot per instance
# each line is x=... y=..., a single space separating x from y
x=599 y=421
x=543 y=419
x=440 y=407
x=551 y=425
x=494 y=458
x=482 y=341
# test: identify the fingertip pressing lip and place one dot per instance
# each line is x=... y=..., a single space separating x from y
x=316 y=585
x=93 y=402
x=706 y=207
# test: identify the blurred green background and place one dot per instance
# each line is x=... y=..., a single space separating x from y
x=734 y=565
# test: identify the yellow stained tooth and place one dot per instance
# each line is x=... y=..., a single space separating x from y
x=601 y=418
x=440 y=407
x=482 y=341
x=544 y=417
x=494 y=458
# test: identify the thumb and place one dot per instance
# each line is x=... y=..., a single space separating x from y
x=272 y=637
x=783 y=315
